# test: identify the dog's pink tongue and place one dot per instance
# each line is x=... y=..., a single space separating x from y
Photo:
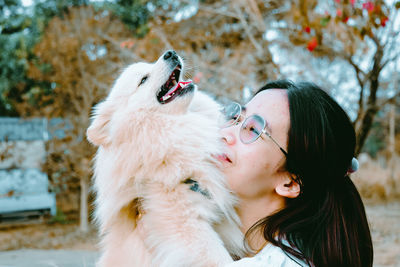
x=179 y=85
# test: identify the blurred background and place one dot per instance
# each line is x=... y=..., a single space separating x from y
x=59 y=58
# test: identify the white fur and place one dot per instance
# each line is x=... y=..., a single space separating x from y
x=146 y=150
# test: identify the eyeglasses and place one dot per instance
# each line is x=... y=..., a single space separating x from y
x=252 y=127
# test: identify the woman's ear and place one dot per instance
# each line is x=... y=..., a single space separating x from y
x=288 y=187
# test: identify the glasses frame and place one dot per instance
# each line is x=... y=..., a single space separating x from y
x=263 y=131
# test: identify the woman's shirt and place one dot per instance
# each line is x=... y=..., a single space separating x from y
x=269 y=256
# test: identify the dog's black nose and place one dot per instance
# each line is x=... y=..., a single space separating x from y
x=170 y=54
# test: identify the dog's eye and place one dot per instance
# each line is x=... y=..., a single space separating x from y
x=143 y=80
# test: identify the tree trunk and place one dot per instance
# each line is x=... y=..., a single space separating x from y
x=392 y=144
x=365 y=128
x=372 y=108
x=84 y=206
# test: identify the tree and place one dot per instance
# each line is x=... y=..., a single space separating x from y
x=84 y=56
x=133 y=13
x=359 y=35
x=353 y=40
x=14 y=44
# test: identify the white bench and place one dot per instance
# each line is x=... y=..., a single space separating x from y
x=24 y=189
x=24 y=192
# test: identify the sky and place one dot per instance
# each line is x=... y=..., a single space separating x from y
x=27 y=2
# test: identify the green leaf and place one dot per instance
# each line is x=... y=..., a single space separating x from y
x=324 y=21
x=155 y=41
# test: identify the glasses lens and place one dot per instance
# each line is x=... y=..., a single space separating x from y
x=231 y=114
x=251 y=129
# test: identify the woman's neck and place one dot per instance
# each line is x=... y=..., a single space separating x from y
x=252 y=210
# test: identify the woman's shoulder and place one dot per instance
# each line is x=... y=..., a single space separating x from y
x=269 y=256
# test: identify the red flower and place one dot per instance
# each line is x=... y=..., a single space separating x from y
x=127 y=44
x=197 y=77
x=352 y=2
x=307 y=29
x=345 y=19
x=130 y=44
x=383 y=21
x=312 y=44
x=339 y=12
x=369 y=6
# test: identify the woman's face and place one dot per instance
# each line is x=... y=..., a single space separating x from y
x=254 y=169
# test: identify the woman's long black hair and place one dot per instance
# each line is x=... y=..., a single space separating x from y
x=326 y=224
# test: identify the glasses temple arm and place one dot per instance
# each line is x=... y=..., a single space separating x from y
x=276 y=143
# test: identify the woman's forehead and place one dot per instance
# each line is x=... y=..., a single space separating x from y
x=269 y=100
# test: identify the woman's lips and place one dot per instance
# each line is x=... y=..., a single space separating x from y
x=223 y=158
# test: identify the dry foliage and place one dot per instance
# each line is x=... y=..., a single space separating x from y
x=378 y=180
x=85 y=55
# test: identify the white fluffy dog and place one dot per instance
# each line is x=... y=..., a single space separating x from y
x=161 y=199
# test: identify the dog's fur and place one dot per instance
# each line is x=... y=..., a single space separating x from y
x=146 y=152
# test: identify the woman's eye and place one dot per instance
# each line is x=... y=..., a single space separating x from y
x=143 y=80
x=254 y=130
x=238 y=119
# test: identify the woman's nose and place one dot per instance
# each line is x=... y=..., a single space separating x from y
x=228 y=137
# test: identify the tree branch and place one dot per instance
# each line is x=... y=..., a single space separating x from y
x=117 y=44
x=372 y=108
x=163 y=38
x=390 y=31
x=390 y=99
x=394 y=58
x=219 y=12
x=247 y=29
x=361 y=83
x=360 y=106
x=257 y=15
x=357 y=70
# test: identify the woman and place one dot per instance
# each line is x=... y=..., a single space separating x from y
x=288 y=157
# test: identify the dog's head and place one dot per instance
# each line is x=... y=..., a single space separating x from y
x=153 y=87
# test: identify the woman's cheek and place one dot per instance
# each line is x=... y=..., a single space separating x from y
x=239 y=181
x=232 y=179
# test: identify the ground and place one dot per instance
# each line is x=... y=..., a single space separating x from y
x=51 y=236
x=64 y=245
x=385 y=225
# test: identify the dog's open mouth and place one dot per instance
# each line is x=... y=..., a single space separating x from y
x=173 y=87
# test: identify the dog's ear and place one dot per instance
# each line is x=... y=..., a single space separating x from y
x=98 y=132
